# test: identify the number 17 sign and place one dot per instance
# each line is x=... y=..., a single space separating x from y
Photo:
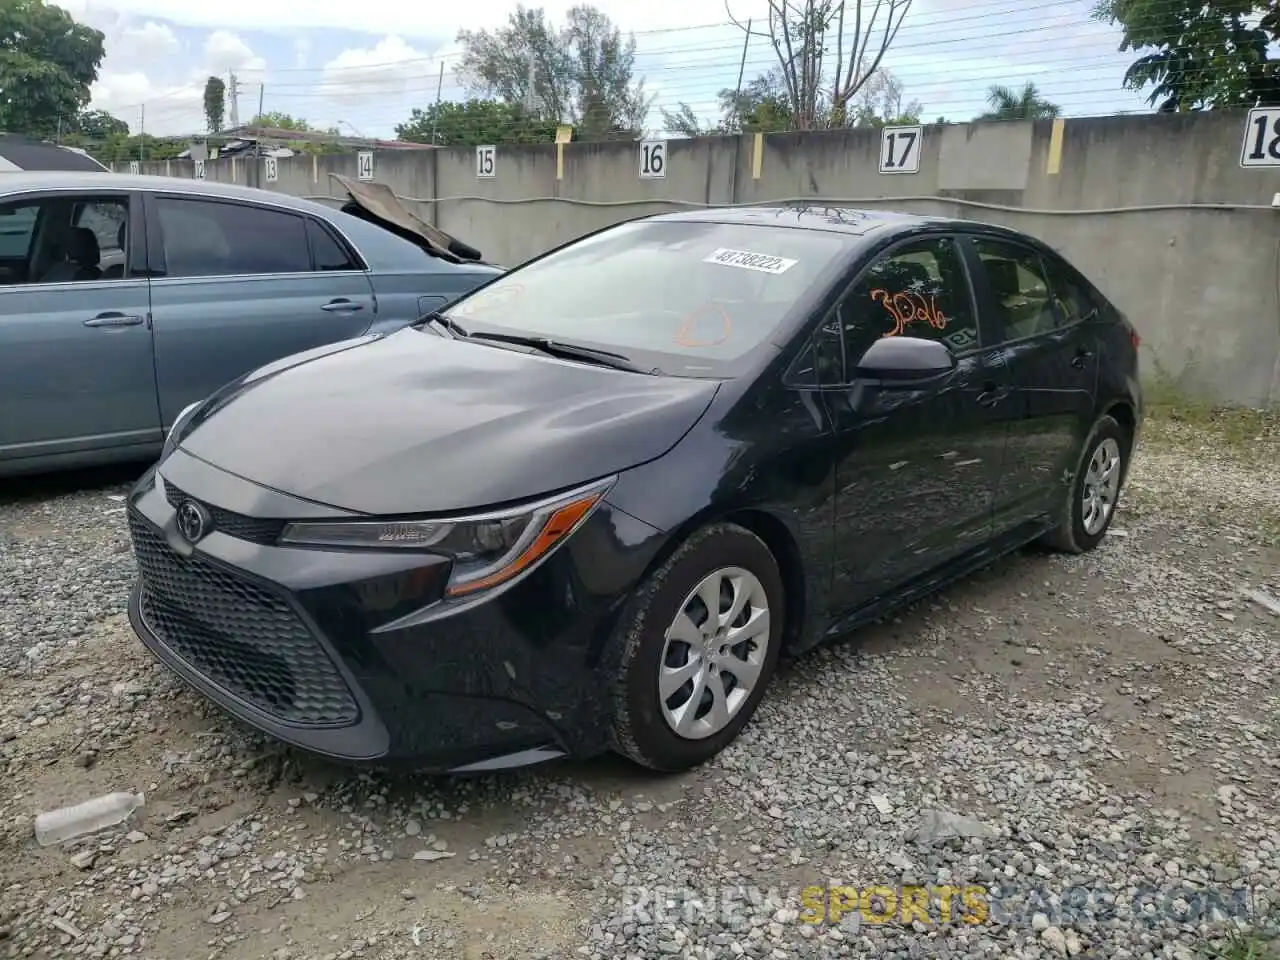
x=900 y=149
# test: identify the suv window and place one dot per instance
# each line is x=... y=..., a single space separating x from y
x=1019 y=287
x=207 y=238
x=919 y=289
x=326 y=252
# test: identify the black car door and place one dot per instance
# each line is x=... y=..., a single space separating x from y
x=917 y=464
x=1051 y=349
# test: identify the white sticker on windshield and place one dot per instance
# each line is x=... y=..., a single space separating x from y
x=746 y=260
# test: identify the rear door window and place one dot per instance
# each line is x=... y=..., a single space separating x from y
x=209 y=238
x=326 y=253
x=1019 y=286
x=1071 y=292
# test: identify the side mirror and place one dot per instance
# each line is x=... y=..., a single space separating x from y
x=905 y=360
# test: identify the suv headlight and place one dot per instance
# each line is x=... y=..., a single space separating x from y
x=487 y=549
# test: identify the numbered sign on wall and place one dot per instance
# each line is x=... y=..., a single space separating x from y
x=1261 y=147
x=900 y=149
x=271 y=167
x=486 y=161
x=364 y=165
x=134 y=167
x=199 y=171
x=653 y=160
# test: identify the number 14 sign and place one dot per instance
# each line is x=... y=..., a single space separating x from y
x=900 y=149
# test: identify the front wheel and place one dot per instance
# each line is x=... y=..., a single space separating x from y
x=1095 y=490
x=700 y=643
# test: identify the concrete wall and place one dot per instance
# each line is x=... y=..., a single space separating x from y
x=1202 y=285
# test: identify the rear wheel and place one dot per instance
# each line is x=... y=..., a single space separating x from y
x=700 y=643
x=1094 y=491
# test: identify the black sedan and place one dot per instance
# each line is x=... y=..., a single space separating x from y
x=590 y=505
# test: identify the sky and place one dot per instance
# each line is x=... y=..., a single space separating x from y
x=362 y=67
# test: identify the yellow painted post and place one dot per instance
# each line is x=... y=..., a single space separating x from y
x=564 y=134
x=1054 y=163
x=757 y=157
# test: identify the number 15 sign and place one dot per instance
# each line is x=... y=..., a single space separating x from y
x=900 y=149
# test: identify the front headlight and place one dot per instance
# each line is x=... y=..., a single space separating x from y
x=179 y=423
x=180 y=420
x=487 y=549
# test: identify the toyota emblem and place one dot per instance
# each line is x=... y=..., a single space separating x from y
x=193 y=520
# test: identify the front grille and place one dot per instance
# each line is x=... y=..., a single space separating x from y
x=240 y=635
x=237 y=525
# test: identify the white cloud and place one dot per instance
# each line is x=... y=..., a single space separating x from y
x=357 y=76
x=224 y=51
x=150 y=41
x=395 y=17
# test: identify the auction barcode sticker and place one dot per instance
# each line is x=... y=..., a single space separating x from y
x=746 y=260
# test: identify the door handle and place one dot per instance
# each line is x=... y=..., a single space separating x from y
x=342 y=306
x=992 y=395
x=1082 y=355
x=114 y=319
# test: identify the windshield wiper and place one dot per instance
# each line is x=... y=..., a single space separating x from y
x=568 y=351
x=455 y=329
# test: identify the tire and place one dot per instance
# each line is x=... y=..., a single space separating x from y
x=641 y=729
x=1078 y=531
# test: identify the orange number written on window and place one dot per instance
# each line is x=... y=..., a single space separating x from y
x=906 y=308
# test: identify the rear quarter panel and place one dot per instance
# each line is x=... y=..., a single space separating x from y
x=406 y=280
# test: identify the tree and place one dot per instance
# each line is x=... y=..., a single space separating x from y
x=582 y=73
x=47 y=64
x=1200 y=54
x=281 y=121
x=879 y=103
x=805 y=33
x=763 y=106
x=473 y=123
x=1025 y=104
x=99 y=125
x=215 y=101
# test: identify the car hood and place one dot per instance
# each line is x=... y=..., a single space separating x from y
x=417 y=423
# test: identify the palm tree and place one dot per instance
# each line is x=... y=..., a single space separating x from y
x=1026 y=104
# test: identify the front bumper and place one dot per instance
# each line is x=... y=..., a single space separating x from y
x=349 y=654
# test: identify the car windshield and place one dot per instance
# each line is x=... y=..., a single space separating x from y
x=685 y=296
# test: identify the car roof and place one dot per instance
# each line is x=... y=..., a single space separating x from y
x=23 y=154
x=64 y=180
x=831 y=218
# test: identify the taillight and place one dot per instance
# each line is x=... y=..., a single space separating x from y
x=1133 y=331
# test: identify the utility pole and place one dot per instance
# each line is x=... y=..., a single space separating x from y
x=142 y=129
x=233 y=93
x=742 y=66
x=529 y=97
x=435 y=114
x=257 y=143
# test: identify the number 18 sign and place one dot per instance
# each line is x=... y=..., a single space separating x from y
x=900 y=149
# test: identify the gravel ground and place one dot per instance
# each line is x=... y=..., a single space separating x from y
x=1082 y=750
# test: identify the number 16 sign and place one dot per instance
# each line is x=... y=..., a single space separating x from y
x=900 y=149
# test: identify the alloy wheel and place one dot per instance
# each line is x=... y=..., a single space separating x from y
x=713 y=653
x=1101 y=486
